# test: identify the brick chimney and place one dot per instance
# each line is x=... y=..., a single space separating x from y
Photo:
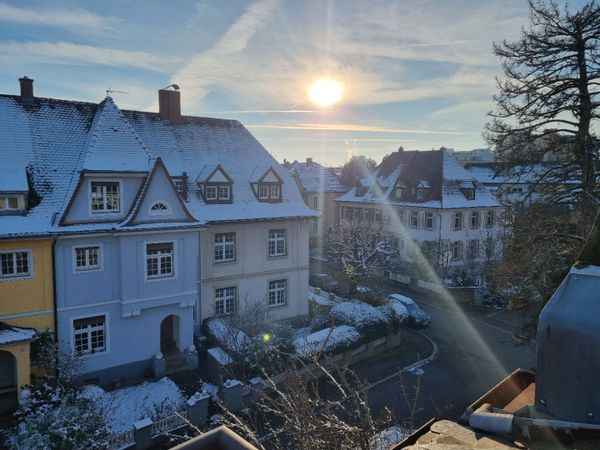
x=26 y=90
x=169 y=104
x=309 y=161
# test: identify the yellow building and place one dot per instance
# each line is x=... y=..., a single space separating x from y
x=26 y=306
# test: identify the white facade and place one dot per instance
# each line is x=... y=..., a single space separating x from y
x=252 y=268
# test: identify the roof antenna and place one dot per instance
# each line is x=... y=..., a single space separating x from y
x=114 y=91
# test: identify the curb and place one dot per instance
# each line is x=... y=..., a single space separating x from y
x=413 y=366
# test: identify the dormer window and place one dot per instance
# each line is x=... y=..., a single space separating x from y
x=11 y=203
x=422 y=190
x=421 y=193
x=469 y=193
x=215 y=185
x=105 y=196
x=399 y=192
x=159 y=209
x=267 y=188
x=181 y=185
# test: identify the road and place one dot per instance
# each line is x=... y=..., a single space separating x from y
x=474 y=353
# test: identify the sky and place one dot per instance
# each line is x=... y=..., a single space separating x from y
x=416 y=73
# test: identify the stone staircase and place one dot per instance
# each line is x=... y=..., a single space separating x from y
x=175 y=361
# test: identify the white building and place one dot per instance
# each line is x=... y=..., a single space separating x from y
x=428 y=197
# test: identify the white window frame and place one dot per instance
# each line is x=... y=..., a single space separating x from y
x=277 y=291
x=476 y=215
x=98 y=212
x=211 y=188
x=88 y=268
x=263 y=195
x=6 y=198
x=228 y=192
x=224 y=245
x=490 y=218
x=414 y=215
x=457 y=221
x=229 y=302
x=162 y=212
x=15 y=275
x=106 y=341
x=275 y=241
x=456 y=250
x=315 y=202
x=274 y=192
x=160 y=276
x=427 y=216
x=179 y=185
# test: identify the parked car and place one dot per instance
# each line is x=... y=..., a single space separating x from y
x=323 y=281
x=416 y=316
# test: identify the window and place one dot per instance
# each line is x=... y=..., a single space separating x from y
x=277 y=243
x=274 y=192
x=474 y=219
x=489 y=219
x=179 y=186
x=315 y=202
x=9 y=203
x=377 y=215
x=456 y=250
x=358 y=214
x=15 y=264
x=414 y=219
x=458 y=221
x=263 y=192
x=224 y=247
x=89 y=335
x=210 y=193
x=347 y=213
x=159 y=260
x=159 y=209
x=277 y=292
x=105 y=196
x=269 y=191
x=315 y=226
x=469 y=193
x=421 y=193
x=224 y=192
x=225 y=301
x=474 y=248
x=402 y=216
x=87 y=258
x=399 y=192
x=368 y=215
x=429 y=221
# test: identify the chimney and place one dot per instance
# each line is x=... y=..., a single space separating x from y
x=26 y=90
x=169 y=104
x=309 y=161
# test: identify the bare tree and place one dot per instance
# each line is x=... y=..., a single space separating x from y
x=357 y=168
x=362 y=247
x=552 y=74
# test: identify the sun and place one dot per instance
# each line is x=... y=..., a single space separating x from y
x=325 y=92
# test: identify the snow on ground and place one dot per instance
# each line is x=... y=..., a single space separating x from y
x=358 y=314
x=326 y=340
x=123 y=407
x=385 y=439
x=210 y=389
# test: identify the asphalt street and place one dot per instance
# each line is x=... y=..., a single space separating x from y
x=475 y=352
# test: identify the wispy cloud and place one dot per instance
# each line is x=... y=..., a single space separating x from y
x=263 y=111
x=216 y=63
x=357 y=128
x=69 y=53
x=54 y=17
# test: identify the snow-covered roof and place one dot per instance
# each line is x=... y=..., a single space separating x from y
x=436 y=170
x=316 y=178
x=11 y=335
x=57 y=140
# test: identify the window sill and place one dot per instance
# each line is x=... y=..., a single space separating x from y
x=283 y=305
x=160 y=278
x=270 y=257
x=224 y=263
x=91 y=355
x=16 y=277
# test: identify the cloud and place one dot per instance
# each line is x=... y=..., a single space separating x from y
x=69 y=53
x=356 y=128
x=263 y=111
x=214 y=64
x=53 y=17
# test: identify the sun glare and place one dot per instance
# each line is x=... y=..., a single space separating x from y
x=325 y=92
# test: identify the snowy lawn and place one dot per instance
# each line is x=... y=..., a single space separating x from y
x=326 y=340
x=123 y=407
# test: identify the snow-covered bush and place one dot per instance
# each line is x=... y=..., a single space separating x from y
x=328 y=340
x=395 y=311
x=357 y=314
x=227 y=336
x=125 y=406
x=54 y=418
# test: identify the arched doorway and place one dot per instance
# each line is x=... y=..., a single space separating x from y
x=8 y=382
x=169 y=334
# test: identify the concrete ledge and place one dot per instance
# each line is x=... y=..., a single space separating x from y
x=221 y=438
